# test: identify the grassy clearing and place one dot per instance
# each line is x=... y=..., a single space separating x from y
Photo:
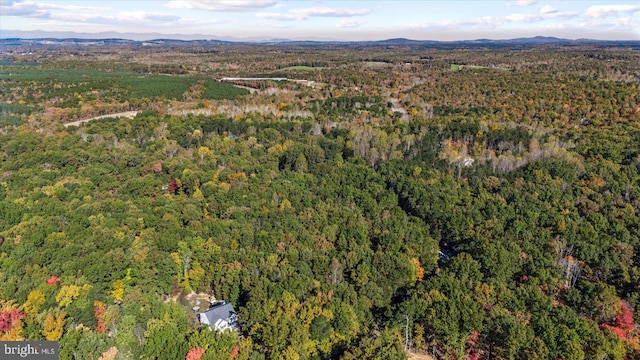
x=457 y=67
x=215 y=90
x=7 y=62
x=302 y=68
x=376 y=64
x=127 y=84
x=60 y=75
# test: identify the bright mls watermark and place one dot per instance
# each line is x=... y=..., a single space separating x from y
x=19 y=350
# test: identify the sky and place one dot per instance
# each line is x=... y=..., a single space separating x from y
x=329 y=19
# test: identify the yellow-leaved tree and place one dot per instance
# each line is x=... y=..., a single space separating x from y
x=118 y=290
x=54 y=325
x=35 y=299
x=67 y=294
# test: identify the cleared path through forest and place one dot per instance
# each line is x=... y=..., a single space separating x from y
x=128 y=114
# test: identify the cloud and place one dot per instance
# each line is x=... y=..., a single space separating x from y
x=546 y=13
x=525 y=2
x=277 y=17
x=486 y=22
x=127 y=18
x=329 y=12
x=23 y=9
x=301 y=14
x=222 y=5
x=280 y=25
x=66 y=15
x=73 y=7
x=350 y=23
x=548 y=10
x=560 y=15
x=523 y=17
x=149 y=17
x=545 y=16
x=599 y=11
x=31 y=9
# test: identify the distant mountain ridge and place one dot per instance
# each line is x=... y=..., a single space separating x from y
x=16 y=38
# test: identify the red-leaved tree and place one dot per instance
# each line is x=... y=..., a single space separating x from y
x=235 y=351
x=173 y=186
x=10 y=324
x=53 y=280
x=623 y=324
x=99 y=309
x=195 y=353
x=157 y=167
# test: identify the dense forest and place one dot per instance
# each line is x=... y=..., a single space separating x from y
x=384 y=202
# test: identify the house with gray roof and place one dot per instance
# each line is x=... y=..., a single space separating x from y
x=220 y=316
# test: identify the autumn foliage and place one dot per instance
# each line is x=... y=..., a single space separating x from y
x=157 y=167
x=195 y=354
x=109 y=354
x=419 y=269
x=98 y=310
x=173 y=186
x=484 y=212
x=623 y=324
x=11 y=324
x=53 y=326
x=234 y=352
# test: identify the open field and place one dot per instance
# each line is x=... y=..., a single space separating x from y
x=302 y=68
x=92 y=91
x=126 y=114
x=457 y=67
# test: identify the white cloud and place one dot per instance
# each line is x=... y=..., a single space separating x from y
x=277 y=17
x=222 y=5
x=545 y=14
x=73 y=7
x=30 y=9
x=301 y=14
x=149 y=17
x=23 y=9
x=523 y=17
x=560 y=15
x=547 y=9
x=486 y=22
x=127 y=18
x=607 y=24
x=350 y=23
x=525 y=2
x=329 y=12
x=625 y=23
x=491 y=22
x=280 y=25
x=598 y=11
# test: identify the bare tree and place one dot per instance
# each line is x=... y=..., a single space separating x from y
x=335 y=271
x=572 y=267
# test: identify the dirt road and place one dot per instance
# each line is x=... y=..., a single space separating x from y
x=128 y=114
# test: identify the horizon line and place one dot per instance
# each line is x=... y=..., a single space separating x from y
x=151 y=36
